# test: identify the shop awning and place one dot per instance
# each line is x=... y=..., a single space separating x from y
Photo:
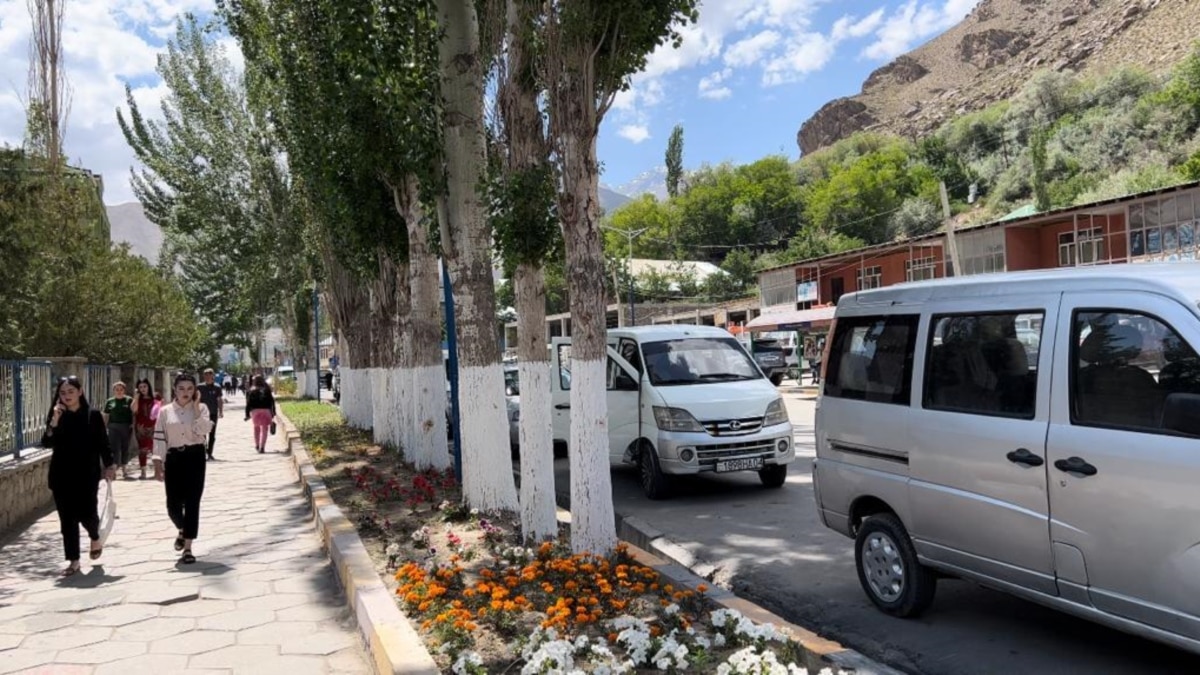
x=802 y=319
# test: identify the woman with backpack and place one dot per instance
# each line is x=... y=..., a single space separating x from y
x=260 y=406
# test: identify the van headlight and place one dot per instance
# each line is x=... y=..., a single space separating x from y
x=675 y=419
x=776 y=413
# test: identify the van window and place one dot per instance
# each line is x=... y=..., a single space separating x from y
x=629 y=352
x=1126 y=365
x=696 y=360
x=984 y=364
x=564 y=367
x=871 y=359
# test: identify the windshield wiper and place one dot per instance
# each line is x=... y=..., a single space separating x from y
x=725 y=376
x=678 y=380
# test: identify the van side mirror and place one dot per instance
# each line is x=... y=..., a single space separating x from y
x=625 y=383
x=1181 y=414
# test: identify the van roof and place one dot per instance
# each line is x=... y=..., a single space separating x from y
x=1180 y=280
x=668 y=332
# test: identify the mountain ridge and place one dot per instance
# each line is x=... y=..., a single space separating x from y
x=998 y=47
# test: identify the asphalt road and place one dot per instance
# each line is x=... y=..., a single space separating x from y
x=769 y=546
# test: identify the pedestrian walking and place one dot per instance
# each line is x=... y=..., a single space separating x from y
x=210 y=396
x=180 y=434
x=118 y=417
x=260 y=407
x=80 y=457
x=145 y=403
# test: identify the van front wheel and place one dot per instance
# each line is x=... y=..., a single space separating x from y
x=888 y=568
x=654 y=483
x=773 y=475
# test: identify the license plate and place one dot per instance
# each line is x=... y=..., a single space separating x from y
x=747 y=464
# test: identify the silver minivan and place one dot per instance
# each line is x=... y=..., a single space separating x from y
x=1036 y=432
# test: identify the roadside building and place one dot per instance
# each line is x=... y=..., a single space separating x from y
x=1158 y=225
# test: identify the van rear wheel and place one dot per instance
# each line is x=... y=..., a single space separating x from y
x=888 y=568
x=773 y=475
x=655 y=484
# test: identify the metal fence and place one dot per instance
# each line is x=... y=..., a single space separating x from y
x=96 y=384
x=26 y=388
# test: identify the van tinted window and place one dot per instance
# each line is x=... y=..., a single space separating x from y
x=984 y=364
x=871 y=359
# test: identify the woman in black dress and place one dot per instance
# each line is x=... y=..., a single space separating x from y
x=81 y=456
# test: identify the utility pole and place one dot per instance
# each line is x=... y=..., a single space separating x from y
x=630 y=235
x=951 y=242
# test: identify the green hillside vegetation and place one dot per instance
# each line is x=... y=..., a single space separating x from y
x=1063 y=140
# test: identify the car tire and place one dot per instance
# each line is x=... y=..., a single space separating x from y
x=773 y=475
x=888 y=568
x=777 y=379
x=655 y=483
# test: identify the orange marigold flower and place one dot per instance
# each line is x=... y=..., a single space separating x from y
x=612 y=637
x=423 y=607
x=548 y=588
x=702 y=588
x=570 y=585
x=482 y=612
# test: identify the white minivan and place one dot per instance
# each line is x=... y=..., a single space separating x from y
x=683 y=400
x=1036 y=432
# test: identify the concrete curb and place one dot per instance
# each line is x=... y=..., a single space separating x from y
x=673 y=561
x=394 y=646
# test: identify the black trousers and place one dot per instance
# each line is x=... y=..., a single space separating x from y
x=212 y=435
x=185 y=469
x=77 y=507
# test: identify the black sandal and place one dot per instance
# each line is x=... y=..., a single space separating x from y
x=187 y=558
x=179 y=542
x=95 y=554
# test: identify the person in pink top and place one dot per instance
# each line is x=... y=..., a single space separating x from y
x=260 y=406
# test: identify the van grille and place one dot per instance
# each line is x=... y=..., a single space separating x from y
x=734 y=427
x=709 y=454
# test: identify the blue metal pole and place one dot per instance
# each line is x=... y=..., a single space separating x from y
x=19 y=409
x=317 y=338
x=452 y=370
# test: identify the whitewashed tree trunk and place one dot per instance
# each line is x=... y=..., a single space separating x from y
x=426 y=380
x=538 y=507
x=400 y=399
x=574 y=122
x=467 y=243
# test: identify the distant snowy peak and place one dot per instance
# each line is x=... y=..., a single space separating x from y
x=653 y=181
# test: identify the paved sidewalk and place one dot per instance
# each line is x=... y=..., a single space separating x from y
x=262 y=597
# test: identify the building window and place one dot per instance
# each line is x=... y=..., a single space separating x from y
x=1165 y=229
x=920 y=269
x=778 y=287
x=870 y=277
x=982 y=252
x=1084 y=247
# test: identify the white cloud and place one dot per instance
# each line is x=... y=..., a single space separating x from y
x=747 y=52
x=106 y=43
x=634 y=133
x=711 y=86
x=847 y=27
x=806 y=54
x=914 y=22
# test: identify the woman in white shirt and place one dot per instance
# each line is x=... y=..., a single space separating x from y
x=180 y=439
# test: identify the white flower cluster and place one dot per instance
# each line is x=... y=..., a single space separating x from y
x=517 y=555
x=671 y=654
x=546 y=654
x=732 y=623
x=421 y=537
x=750 y=661
x=468 y=663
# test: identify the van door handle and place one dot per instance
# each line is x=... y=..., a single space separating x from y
x=1075 y=465
x=1023 y=456
x=563 y=406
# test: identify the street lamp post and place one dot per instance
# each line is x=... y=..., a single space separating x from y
x=630 y=235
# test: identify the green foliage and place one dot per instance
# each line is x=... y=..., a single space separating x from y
x=916 y=216
x=857 y=199
x=1037 y=153
x=660 y=220
x=674 y=160
x=213 y=181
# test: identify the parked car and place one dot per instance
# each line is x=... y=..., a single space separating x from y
x=683 y=400
x=1060 y=469
x=512 y=399
x=771 y=357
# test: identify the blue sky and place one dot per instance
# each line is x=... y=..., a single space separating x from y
x=748 y=74
x=751 y=71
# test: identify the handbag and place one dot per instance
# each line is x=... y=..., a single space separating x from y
x=109 y=513
x=272 y=428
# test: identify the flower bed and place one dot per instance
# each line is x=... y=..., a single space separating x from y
x=486 y=603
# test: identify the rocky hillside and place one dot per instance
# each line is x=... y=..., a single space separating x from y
x=991 y=53
x=130 y=225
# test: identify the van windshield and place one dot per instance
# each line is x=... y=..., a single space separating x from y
x=697 y=360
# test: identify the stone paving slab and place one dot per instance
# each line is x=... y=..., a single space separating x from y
x=262 y=597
